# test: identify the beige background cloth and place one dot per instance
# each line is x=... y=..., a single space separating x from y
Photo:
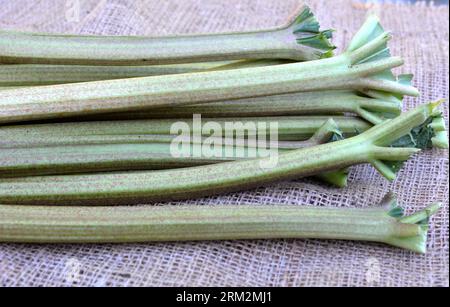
x=420 y=37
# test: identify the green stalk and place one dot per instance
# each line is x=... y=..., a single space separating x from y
x=44 y=138
x=299 y=40
x=250 y=64
x=116 y=153
x=327 y=102
x=371 y=146
x=23 y=75
x=36 y=75
x=45 y=224
x=364 y=66
x=289 y=128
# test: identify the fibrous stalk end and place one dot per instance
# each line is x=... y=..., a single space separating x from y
x=418 y=241
x=394 y=141
x=307 y=30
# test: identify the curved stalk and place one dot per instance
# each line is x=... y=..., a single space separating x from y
x=176 y=223
x=344 y=72
x=299 y=40
x=186 y=183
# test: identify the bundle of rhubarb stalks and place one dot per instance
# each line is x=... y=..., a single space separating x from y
x=86 y=126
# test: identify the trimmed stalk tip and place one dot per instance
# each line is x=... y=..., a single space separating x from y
x=36 y=224
x=310 y=44
x=307 y=30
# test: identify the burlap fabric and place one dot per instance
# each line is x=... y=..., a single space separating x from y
x=421 y=38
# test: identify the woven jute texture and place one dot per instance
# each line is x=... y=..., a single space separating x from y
x=420 y=37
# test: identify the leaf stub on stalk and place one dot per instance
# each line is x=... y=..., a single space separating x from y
x=368 y=47
x=338 y=73
x=63 y=49
x=36 y=224
x=418 y=242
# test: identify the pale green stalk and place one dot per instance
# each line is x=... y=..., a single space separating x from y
x=46 y=224
x=314 y=103
x=299 y=40
x=4 y=88
x=23 y=75
x=289 y=128
x=372 y=146
x=137 y=139
x=35 y=75
x=32 y=161
x=364 y=66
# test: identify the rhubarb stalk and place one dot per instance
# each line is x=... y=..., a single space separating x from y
x=365 y=66
x=299 y=40
x=36 y=75
x=314 y=103
x=289 y=128
x=23 y=75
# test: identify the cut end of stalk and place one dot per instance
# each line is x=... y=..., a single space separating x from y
x=438 y=123
x=405 y=81
x=307 y=30
x=329 y=132
x=435 y=104
x=392 y=160
x=417 y=243
x=370 y=42
x=395 y=140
